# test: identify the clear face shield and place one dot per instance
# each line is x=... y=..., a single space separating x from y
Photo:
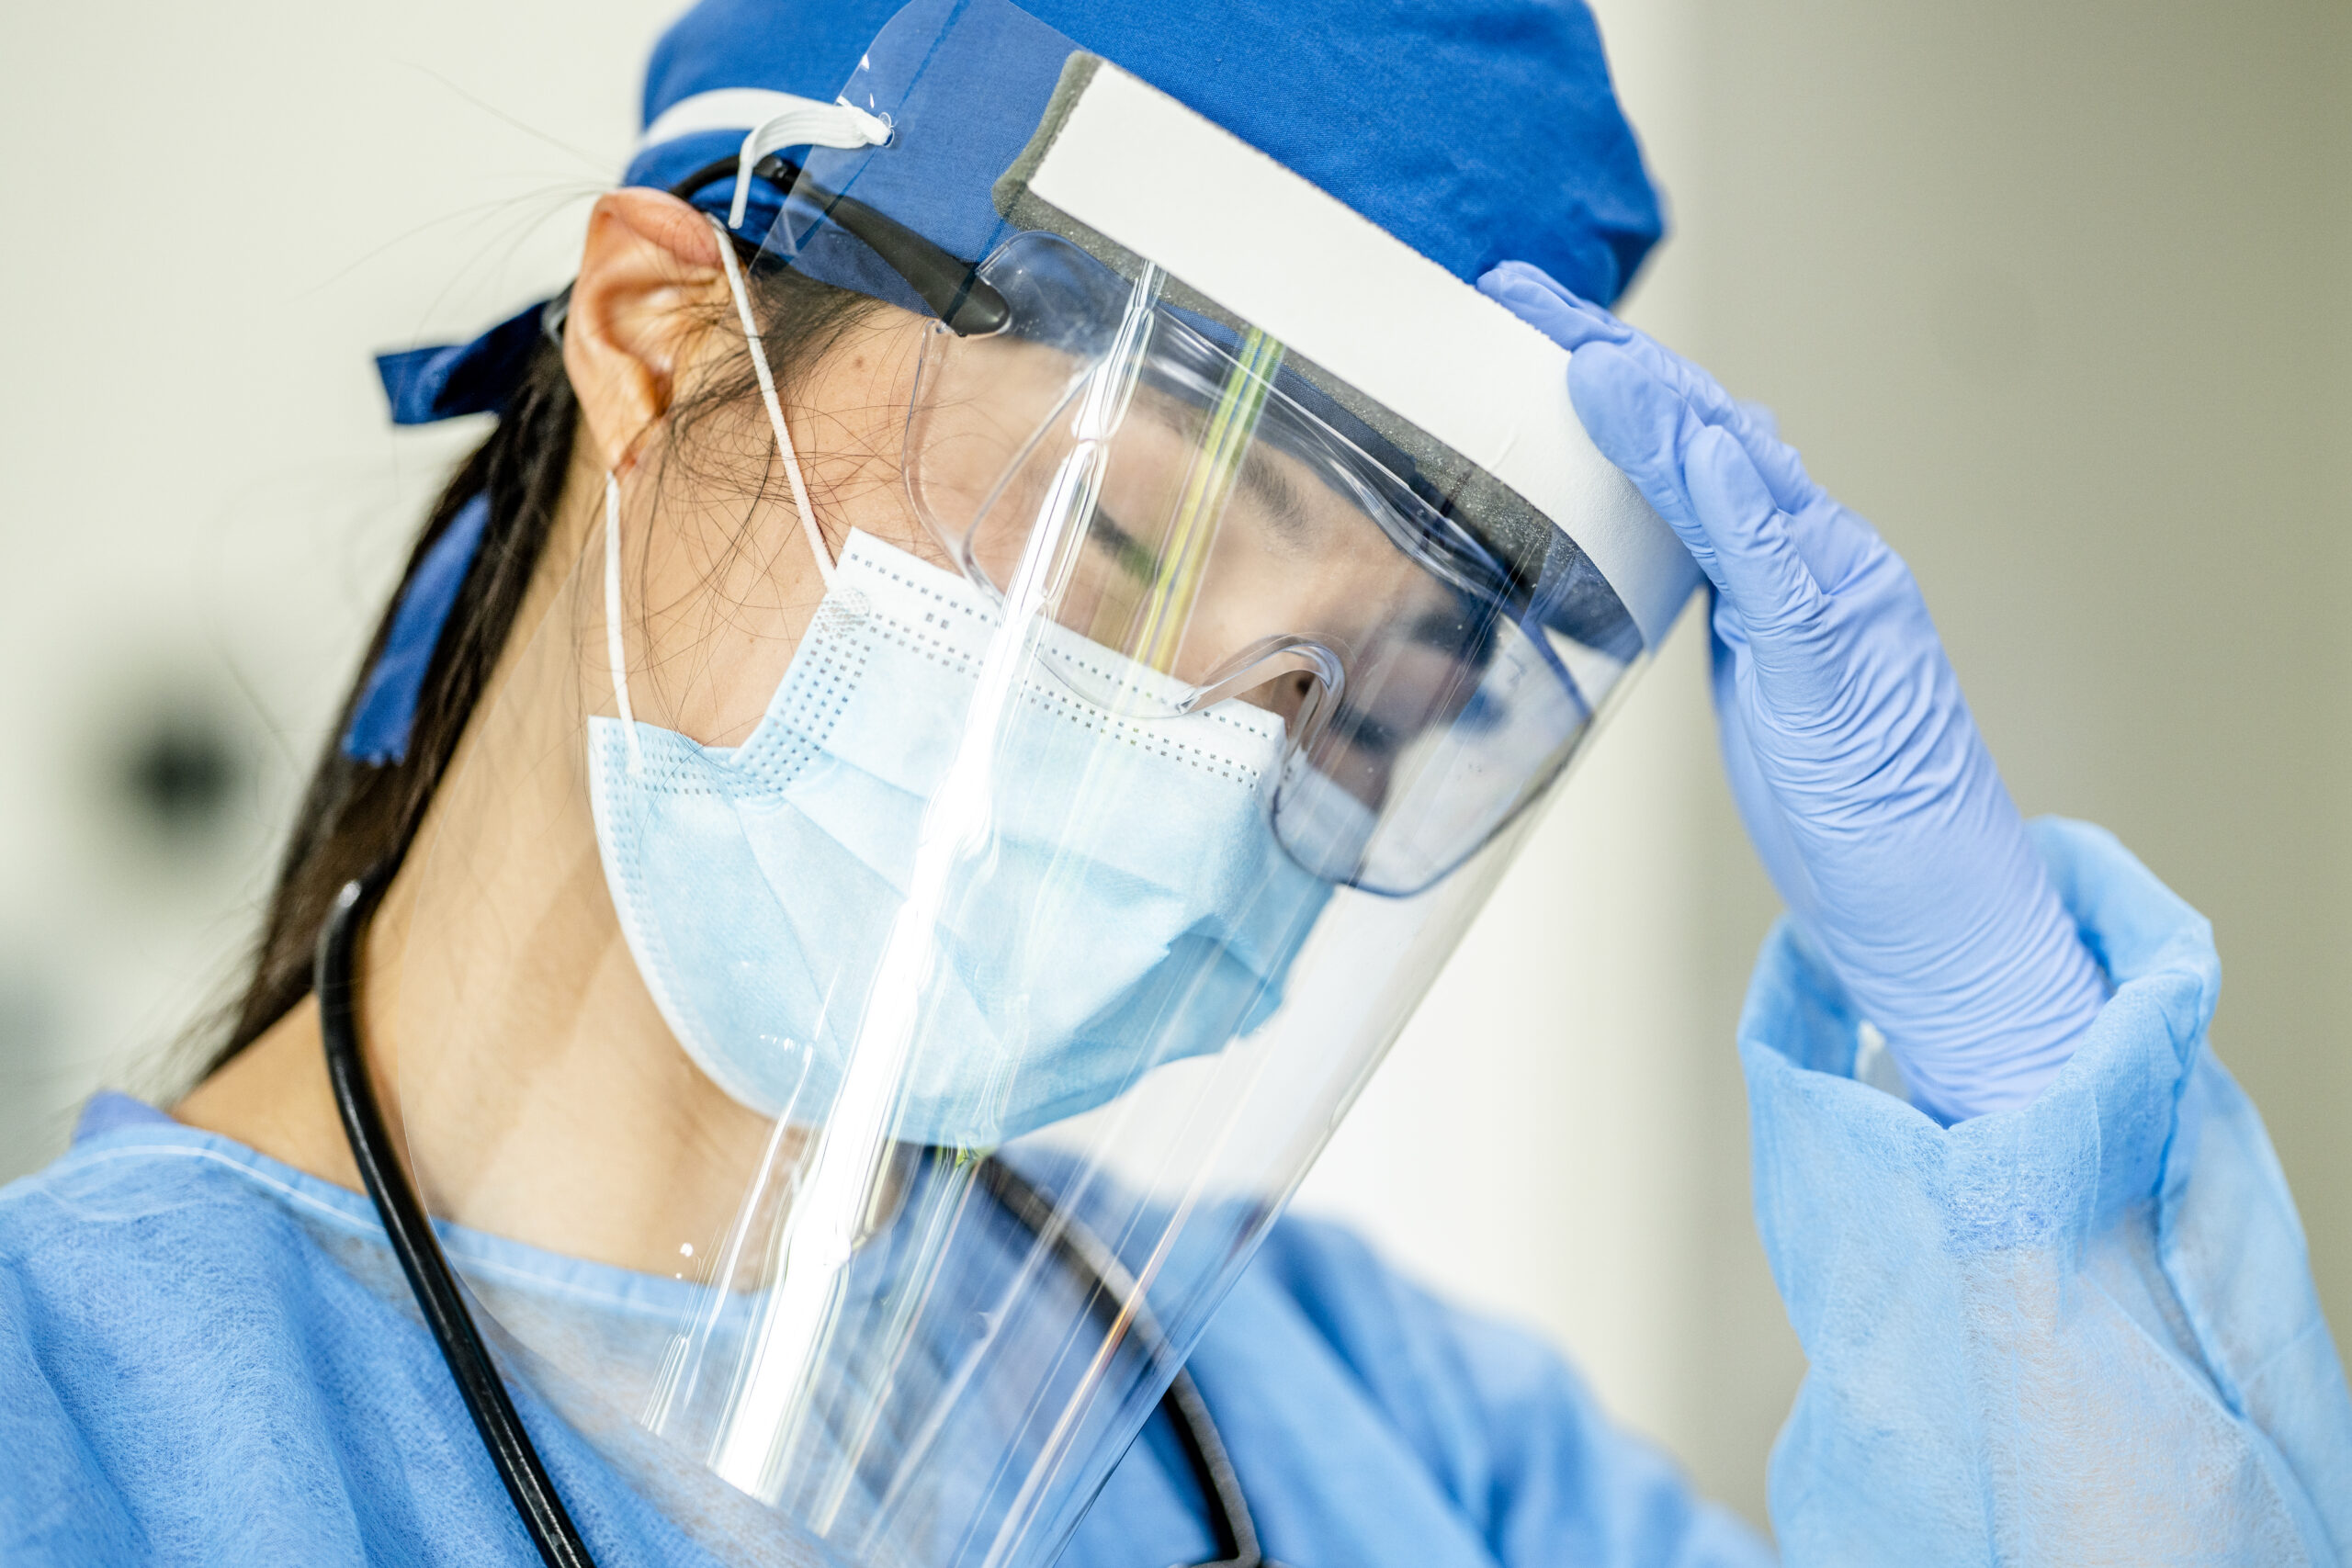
x=1103 y=828
x=1206 y=526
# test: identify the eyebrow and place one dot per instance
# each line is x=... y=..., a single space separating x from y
x=1272 y=489
x=1434 y=628
x=1259 y=476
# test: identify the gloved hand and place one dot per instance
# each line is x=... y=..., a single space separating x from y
x=1860 y=776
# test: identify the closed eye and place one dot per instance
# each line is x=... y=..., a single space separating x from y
x=1127 y=553
x=1358 y=728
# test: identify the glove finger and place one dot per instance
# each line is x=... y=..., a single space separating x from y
x=1541 y=300
x=1758 y=432
x=1607 y=381
x=1530 y=293
x=1764 y=578
x=1537 y=298
x=1638 y=421
x=1762 y=420
x=1755 y=426
x=1526 y=277
x=1641 y=434
x=1780 y=465
x=1836 y=543
x=1643 y=426
x=1758 y=428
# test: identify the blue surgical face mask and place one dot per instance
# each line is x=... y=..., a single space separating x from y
x=1129 y=905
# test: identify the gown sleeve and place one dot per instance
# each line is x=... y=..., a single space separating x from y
x=1530 y=1466
x=2082 y=1331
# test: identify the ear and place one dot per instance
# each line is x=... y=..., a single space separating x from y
x=650 y=262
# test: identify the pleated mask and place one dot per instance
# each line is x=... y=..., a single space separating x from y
x=1127 y=906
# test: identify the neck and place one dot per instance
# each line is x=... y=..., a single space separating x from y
x=522 y=1066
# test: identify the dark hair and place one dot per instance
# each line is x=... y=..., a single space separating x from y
x=357 y=818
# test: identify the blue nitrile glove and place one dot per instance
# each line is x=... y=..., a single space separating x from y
x=1862 y=780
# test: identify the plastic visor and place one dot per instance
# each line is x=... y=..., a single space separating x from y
x=1247 y=414
x=966 y=1016
x=1226 y=529
x=810 y=1282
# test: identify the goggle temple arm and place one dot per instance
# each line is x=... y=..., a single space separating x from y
x=949 y=287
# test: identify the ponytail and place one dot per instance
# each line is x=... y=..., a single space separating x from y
x=355 y=816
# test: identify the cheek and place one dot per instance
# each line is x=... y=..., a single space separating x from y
x=1345 y=599
x=714 y=606
x=862 y=488
x=854 y=454
x=719 y=583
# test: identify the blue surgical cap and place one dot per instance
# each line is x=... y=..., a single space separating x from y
x=1478 y=131
x=1475 y=131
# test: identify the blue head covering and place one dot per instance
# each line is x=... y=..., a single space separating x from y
x=386 y=712
x=1474 y=130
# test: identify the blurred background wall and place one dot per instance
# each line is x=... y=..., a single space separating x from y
x=2054 y=292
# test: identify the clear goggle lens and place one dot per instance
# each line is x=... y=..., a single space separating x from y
x=1216 y=536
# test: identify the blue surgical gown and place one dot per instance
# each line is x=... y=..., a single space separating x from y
x=2083 y=1331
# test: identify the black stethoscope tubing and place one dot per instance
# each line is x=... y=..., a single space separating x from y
x=414 y=1241
x=419 y=1250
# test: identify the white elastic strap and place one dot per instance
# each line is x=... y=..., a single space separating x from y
x=775 y=409
x=805 y=123
x=721 y=108
x=614 y=652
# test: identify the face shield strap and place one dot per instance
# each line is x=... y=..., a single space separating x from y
x=804 y=122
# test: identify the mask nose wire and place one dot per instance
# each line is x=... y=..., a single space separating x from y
x=775 y=409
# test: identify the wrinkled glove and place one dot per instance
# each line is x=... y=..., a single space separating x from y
x=1861 y=778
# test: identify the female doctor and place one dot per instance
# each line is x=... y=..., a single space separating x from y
x=982 y=666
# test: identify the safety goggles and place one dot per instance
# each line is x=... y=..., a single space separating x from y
x=1208 y=510
x=1220 y=529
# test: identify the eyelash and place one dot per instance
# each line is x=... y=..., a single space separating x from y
x=1361 y=730
x=1127 y=552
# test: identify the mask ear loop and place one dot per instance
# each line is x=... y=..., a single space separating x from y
x=615 y=654
x=776 y=408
